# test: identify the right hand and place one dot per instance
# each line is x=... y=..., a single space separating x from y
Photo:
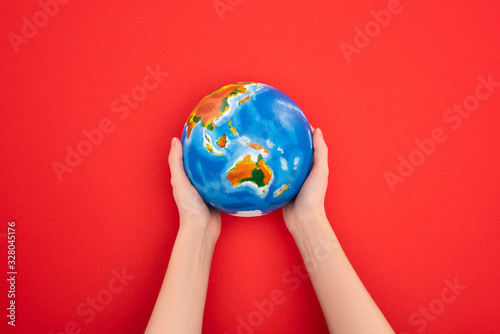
x=309 y=204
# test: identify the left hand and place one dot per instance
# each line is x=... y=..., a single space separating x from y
x=193 y=212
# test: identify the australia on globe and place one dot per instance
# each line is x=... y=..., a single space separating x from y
x=247 y=149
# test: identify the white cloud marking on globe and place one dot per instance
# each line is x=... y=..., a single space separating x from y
x=284 y=164
x=252 y=213
x=296 y=162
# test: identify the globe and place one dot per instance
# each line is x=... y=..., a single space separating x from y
x=247 y=149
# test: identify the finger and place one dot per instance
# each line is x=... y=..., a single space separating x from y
x=176 y=164
x=312 y=133
x=320 y=159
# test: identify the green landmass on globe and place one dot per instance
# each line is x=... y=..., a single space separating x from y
x=210 y=109
x=248 y=170
x=205 y=113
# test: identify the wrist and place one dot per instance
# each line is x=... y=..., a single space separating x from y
x=316 y=241
x=310 y=224
x=197 y=234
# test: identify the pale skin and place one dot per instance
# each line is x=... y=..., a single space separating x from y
x=346 y=304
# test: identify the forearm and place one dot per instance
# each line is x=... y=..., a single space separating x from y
x=181 y=301
x=347 y=306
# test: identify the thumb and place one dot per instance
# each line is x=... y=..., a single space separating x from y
x=320 y=159
x=179 y=178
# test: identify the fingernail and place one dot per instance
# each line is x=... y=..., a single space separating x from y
x=174 y=142
x=320 y=132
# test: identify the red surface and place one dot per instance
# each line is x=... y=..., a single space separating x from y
x=115 y=209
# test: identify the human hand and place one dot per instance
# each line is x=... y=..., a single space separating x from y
x=346 y=304
x=193 y=212
x=181 y=301
x=309 y=204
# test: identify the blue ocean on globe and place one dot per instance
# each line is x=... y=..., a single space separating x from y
x=247 y=149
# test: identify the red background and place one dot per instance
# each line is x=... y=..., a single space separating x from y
x=115 y=210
